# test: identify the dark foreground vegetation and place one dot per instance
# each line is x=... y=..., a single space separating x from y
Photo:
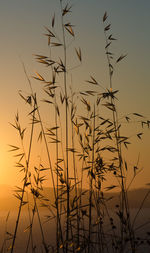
x=83 y=143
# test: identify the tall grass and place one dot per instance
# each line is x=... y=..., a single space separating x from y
x=85 y=145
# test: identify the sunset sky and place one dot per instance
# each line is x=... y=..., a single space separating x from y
x=21 y=30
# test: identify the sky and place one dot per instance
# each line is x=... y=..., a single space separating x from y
x=22 y=28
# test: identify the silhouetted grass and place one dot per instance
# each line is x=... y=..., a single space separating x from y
x=85 y=145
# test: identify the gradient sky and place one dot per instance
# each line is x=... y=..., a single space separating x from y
x=21 y=31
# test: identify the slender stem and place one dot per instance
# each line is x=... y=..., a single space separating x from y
x=66 y=118
x=75 y=179
x=31 y=224
x=57 y=225
x=124 y=201
x=91 y=184
x=47 y=149
x=25 y=181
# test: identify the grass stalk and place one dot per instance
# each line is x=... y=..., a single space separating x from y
x=47 y=151
x=91 y=177
x=66 y=124
x=26 y=175
x=124 y=201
